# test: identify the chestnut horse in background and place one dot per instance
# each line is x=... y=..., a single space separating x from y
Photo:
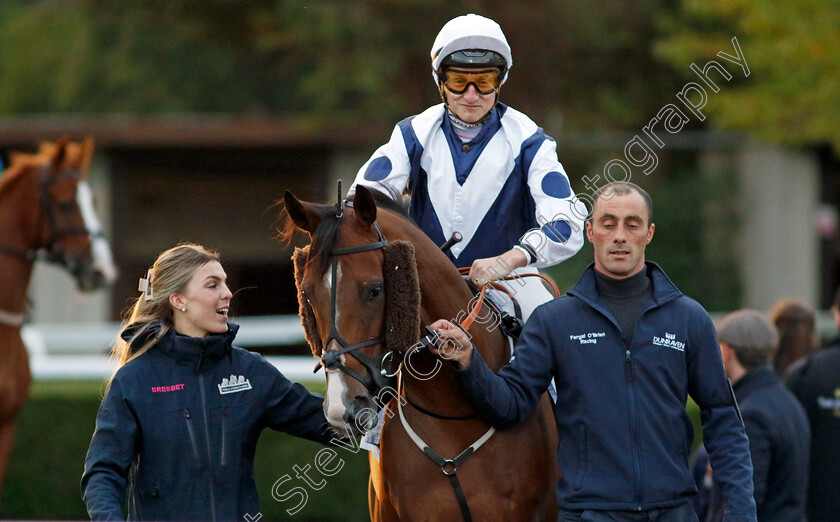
x=350 y=297
x=46 y=212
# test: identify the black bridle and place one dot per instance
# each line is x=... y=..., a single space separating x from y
x=54 y=252
x=379 y=377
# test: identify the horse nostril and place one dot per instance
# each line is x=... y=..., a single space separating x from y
x=99 y=279
x=363 y=413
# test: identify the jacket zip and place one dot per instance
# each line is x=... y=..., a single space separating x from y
x=190 y=430
x=224 y=432
x=634 y=427
x=207 y=440
x=634 y=416
x=631 y=408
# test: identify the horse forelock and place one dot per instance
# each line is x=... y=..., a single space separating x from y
x=323 y=241
x=326 y=235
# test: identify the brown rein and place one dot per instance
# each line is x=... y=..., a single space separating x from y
x=470 y=319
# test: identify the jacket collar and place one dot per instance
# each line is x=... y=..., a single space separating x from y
x=663 y=289
x=758 y=377
x=185 y=350
x=489 y=126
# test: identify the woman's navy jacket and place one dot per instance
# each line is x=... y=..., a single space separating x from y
x=180 y=423
x=621 y=414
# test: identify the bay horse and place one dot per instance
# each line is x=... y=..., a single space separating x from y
x=46 y=213
x=371 y=318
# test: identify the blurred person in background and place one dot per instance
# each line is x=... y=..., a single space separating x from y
x=774 y=421
x=183 y=411
x=815 y=381
x=796 y=321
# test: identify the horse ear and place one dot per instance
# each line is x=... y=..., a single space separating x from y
x=364 y=206
x=59 y=155
x=87 y=154
x=301 y=216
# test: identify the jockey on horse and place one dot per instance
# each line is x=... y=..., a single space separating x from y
x=477 y=167
x=482 y=171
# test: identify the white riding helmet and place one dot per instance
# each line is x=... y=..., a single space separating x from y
x=467 y=33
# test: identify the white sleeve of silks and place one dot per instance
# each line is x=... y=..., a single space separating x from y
x=388 y=168
x=560 y=215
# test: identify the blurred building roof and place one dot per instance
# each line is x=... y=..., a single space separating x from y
x=183 y=130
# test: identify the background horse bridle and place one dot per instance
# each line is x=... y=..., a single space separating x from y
x=50 y=210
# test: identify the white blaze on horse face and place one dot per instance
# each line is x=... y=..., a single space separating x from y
x=103 y=261
x=334 y=407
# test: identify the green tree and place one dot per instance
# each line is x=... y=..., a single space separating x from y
x=792 y=48
x=337 y=61
x=244 y=56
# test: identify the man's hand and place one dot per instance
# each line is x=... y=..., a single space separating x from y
x=454 y=343
x=493 y=268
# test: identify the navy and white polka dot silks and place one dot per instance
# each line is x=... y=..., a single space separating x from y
x=504 y=184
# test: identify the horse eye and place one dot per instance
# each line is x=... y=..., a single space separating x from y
x=375 y=293
x=66 y=206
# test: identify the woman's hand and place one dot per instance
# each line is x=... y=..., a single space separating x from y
x=454 y=344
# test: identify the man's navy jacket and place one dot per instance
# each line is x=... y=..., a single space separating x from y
x=621 y=414
x=815 y=381
x=779 y=444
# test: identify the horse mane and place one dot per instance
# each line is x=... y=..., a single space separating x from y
x=326 y=235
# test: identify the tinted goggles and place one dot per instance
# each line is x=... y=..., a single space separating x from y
x=457 y=82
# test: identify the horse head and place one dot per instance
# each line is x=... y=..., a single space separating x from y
x=359 y=299
x=67 y=230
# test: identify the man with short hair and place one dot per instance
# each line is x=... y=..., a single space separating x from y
x=815 y=381
x=774 y=420
x=625 y=348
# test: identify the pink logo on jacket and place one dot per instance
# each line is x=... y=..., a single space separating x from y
x=163 y=389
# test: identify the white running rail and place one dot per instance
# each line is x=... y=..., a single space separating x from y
x=77 y=351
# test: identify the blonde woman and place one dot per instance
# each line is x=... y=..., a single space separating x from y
x=182 y=413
